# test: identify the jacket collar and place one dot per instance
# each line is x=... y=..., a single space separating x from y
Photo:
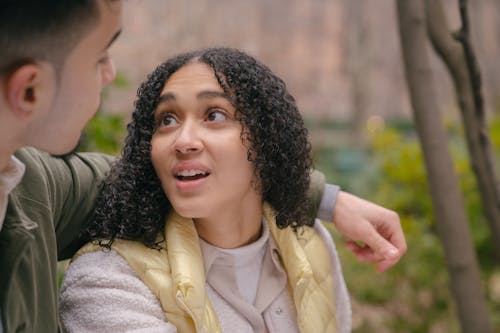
x=9 y=178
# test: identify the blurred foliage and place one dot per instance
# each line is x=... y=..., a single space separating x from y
x=105 y=132
x=413 y=296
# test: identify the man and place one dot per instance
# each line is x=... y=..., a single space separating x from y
x=53 y=62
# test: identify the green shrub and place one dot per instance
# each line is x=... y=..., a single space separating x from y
x=413 y=296
x=105 y=132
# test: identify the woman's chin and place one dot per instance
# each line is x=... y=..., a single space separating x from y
x=188 y=212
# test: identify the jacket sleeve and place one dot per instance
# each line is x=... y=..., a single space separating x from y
x=68 y=188
x=322 y=197
x=101 y=293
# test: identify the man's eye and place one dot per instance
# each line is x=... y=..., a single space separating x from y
x=216 y=116
x=104 y=60
x=168 y=120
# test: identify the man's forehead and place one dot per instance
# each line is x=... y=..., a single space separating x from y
x=113 y=5
x=110 y=12
x=110 y=8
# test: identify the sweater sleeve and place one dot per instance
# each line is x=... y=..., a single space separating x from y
x=327 y=205
x=322 y=197
x=101 y=293
x=342 y=300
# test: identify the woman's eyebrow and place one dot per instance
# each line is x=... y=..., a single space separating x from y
x=211 y=94
x=166 y=98
x=206 y=94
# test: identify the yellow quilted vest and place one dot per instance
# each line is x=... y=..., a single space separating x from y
x=175 y=274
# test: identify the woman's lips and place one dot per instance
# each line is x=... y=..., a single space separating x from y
x=190 y=183
x=190 y=175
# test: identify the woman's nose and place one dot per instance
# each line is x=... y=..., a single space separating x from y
x=188 y=141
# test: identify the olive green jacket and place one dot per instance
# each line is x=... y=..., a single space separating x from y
x=45 y=214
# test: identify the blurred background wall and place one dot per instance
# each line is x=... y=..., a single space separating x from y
x=340 y=58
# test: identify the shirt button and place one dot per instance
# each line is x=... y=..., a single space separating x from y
x=278 y=311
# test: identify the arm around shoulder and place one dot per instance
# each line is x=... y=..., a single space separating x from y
x=359 y=220
x=68 y=187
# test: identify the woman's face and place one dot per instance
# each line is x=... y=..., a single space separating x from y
x=196 y=149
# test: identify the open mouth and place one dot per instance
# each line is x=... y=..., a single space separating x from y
x=190 y=175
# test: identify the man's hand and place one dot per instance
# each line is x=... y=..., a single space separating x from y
x=375 y=226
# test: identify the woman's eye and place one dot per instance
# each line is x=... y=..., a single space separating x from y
x=168 y=120
x=216 y=116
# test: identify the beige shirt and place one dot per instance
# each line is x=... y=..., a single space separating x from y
x=9 y=178
x=248 y=287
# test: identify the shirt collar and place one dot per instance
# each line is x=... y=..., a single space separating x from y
x=11 y=175
x=211 y=253
x=9 y=178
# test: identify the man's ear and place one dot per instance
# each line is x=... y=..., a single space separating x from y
x=23 y=90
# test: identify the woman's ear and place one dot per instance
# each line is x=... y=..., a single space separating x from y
x=23 y=92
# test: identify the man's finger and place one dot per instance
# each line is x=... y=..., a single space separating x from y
x=364 y=253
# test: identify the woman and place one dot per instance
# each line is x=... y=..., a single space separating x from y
x=217 y=135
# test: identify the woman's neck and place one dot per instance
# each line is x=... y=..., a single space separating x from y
x=232 y=228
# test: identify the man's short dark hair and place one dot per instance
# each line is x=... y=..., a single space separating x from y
x=43 y=30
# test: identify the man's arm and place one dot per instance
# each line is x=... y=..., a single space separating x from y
x=378 y=228
x=68 y=187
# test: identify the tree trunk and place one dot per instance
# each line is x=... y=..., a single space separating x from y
x=451 y=220
x=471 y=107
x=357 y=68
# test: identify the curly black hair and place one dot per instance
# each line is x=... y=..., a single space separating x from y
x=133 y=204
